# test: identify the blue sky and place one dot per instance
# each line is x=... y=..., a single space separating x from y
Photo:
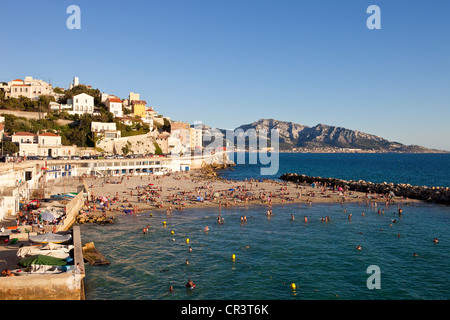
x=231 y=62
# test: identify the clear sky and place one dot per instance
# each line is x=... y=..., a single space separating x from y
x=232 y=62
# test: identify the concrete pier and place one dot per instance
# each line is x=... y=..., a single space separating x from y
x=63 y=286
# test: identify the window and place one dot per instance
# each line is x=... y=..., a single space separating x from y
x=76 y=100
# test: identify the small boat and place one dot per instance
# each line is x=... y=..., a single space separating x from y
x=50 y=237
x=93 y=256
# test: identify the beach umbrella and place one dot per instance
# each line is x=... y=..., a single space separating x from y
x=47 y=216
x=103 y=198
x=216 y=194
x=231 y=189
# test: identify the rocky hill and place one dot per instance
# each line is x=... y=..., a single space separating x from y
x=323 y=138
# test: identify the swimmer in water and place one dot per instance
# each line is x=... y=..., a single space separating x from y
x=190 y=284
x=292 y=217
x=435 y=240
x=206 y=228
x=358 y=247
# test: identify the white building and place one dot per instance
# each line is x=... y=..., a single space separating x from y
x=55 y=106
x=29 y=87
x=82 y=103
x=44 y=144
x=76 y=82
x=105 y=130
x=114 y=106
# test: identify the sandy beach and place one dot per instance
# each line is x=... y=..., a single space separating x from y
x=194 y=189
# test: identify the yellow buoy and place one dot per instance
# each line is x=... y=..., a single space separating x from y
x=172 y=232
x=293 y=286
x=187 y=240
x=164 y=223
x=233 y=257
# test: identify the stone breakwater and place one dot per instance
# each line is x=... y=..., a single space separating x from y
x=431 y=194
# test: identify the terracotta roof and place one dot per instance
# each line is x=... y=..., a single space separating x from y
x=48 y=134
x=115 y=100
x=24 y=134
x=138 y=102
x=18 y=80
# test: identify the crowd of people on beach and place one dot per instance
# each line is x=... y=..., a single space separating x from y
x=31 y=215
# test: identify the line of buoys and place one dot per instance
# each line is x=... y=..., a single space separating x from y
x=233 y=257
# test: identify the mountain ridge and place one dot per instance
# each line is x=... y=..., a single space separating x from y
x=295 y=137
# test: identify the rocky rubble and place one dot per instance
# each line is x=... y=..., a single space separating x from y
x=431 y=194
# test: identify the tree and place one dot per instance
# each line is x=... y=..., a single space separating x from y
x=127 y=148
x=166 y=127
x=9 y=147
x=158 y=150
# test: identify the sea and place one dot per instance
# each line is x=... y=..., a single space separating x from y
x=276 y=258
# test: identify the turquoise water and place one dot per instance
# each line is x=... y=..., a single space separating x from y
x=415 y=169
x=271 y=253
x=320 y=258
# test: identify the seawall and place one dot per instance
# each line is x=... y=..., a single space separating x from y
x=63 y=286
x=431 y=194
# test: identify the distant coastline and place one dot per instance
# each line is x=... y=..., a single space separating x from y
x=299 y=138
x=349 y=151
